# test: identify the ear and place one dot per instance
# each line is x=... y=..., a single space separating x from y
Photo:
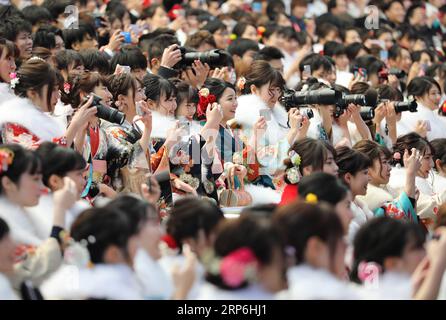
x=8 y=185
x=253 y=89
x=154 y=63
x=348 y=177
x=31 y=94
x=192 y=243
x=307 y=170
x=55 y=182
x=122 y=101
x=438 y=165
x=76 y=46
x=313 y=251
x=113 y=255
x=236 y=58
x=151 y=104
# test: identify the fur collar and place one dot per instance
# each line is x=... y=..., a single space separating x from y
x=23 y=112
x=248 y=112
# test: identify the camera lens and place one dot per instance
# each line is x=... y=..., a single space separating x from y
x=401 y=106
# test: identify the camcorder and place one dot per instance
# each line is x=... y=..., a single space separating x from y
x=214 y=58
x=108 y=114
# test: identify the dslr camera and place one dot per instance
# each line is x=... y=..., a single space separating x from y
x=104 y=112
x=214 y=58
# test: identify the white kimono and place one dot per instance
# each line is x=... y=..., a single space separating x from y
x=389 y=286
x=361 y=214
x=6 y=291
x=209 y=291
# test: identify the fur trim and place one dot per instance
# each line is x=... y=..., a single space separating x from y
x=262 y=195
x=161 y=124
x=21 y=111
x=248 y=112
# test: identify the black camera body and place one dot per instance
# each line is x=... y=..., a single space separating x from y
x=212 y=57
x=325 y=96
x=367 y=113
x=104 y=112
x=401 y=106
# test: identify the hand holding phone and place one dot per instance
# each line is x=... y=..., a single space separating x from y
x=266 y=114
x=428 y=125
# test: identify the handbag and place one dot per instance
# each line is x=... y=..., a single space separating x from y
x=233 y=197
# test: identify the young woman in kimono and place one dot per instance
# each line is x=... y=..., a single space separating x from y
x=439 y=146
x=37 y=252
x=128 y=146
x=8 y=54
x=382 y=199
x=37 y=90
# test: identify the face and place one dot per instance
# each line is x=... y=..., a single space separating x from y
x=344 y=211
x=41 y=100
x=380 y=171
x=290 y=45
x=330 y=165
x=358 y=182
x=159 y=19
x=425 y=59
x=78 y=177
x=26 y=192
x=341 y=61
x=432 y=98
x=248 y=57
x=221 y=38
x=396 y=13
x=283 y=21
x=187 y=110
x=299 y=12
x=228 y=102
x=352 y=36
x=404 y=60
x=60 y=45
x=250 y=33
x=75 y=69
x=427 y=164
x=275 y=40
x=87 y=43
x=24 y=42
x=7 y=255
x=7 y=66
x=387 y=39
x=418 y=17
x=328 y=76
x=269 y=94
x=150 y=236
x=102 y=91
x=167 y=106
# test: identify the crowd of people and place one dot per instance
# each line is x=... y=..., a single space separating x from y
x=209 y=149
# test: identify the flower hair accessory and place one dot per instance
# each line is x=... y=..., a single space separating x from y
x=293 y=174
x=170 y=241
x=397 y=156
x=295 y=158
x=233 y=36
x=6 y=159
x=66 y=87
x=368 y=272
x=237 y=267
x=206 y=98
x=311 y=198
x=241 y=83
x=14 y=80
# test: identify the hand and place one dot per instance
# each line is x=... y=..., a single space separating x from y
x=84 y=115
x=260 y=127
x=184 y=278
x=152 y=194
x=67 y=196
x=107 y=191
x=116 y=40
x=219 y=73
x=304 y=128
x=173 y=135
x=413 y=162
x=421 y=128
x=178 y=23
x=146 y=118
x=393 y=81
x=182 y=186
x=294 y=118
x=354 y=110
x=197 y=75
x=391 y=114
x=380 y=113
x=214 y=115
x=171 y=56
x=436 y=249
x=344 y=117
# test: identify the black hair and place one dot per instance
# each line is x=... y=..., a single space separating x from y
x=409 y=141
x=298 y=221
x=155 y=85
x=4 y=229
x=373 y=150
x=35 y=14
x=261 y=210
x=186 y=93
x=383 y=238
x=23 y=161
x=214 y=25
x=388 y=92
x=261 y=73
x=274 y=7
x=416 y=55
x=240 y=46
x=410 y=11
x=352 y=50
x=289 y=33
x=108 y=227
x=420 y=86
x=45 y=39
x=325 y=186
x=240 y=28
x=58 y=160
x=325 y=28
x=95 y=60
x=316 y=61
x=121 y=84
x=72 y=36
x=312 y=152
x=149 y=12
x=7 y=11
x=395 y=51
x=189 y=215
x=129 y=56
x=248 y=231
x=217 y=86
x=439 y=146
x=11 y=27
x=268 y=54
x=159 y=43
x=56 y=7
x=333 y=48
x=65 y=58
x=351 y=161
x=343 y=32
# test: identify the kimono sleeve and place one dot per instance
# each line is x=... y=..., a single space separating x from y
x=400 y=208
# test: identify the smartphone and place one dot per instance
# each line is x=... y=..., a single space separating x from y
x=306 y=73
x=163 y=179
x=127 y=37
x=266 y=113
x=185 y=125
x=384 y=55
x=139 y=111
x=256 y=7
x=428 y=125
x=122 y=69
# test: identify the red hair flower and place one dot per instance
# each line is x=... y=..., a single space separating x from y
x=239 y=266
x=205 y=99
x=66 y=87
x=170 y=241
x=6 y=158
